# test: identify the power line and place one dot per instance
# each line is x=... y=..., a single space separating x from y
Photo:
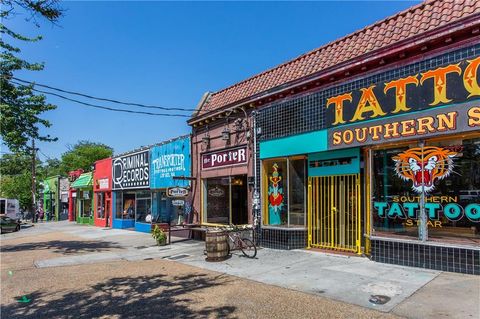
x=105 y=107
x=105 y=99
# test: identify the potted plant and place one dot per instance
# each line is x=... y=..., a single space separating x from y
x=159 y=235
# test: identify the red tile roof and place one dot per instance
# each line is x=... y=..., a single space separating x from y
x=418 y=19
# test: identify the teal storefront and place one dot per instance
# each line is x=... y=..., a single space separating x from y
x=170 y=161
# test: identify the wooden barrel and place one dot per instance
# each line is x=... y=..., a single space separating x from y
x=216 y=244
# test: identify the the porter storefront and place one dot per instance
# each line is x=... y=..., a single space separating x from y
x=131 y=188
x=225 y=197
x=386 y=165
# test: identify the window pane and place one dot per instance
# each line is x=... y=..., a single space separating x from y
x=86 y=204
x=118 y=205
x=277 y=192
x=128 y=211
x=297 y=192
x=395 y=202
x=454 y=198
x=143 y=209
x=100 y=205
x=217 y=200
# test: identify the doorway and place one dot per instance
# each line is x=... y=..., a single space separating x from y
x=334 y=220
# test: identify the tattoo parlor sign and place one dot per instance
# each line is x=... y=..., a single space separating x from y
x=445 y=100
x=131 y=171
x=233 y=156
x=456 y=118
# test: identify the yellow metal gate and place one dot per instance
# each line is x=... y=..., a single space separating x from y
x=334 y=219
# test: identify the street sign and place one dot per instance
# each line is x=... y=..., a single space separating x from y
x=177 y=192
x=178 y=202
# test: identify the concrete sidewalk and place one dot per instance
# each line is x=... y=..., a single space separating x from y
x=413 y=292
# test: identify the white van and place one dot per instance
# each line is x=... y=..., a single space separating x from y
x=10 y=207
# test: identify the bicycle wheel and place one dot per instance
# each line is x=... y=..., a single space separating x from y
x=248 y=248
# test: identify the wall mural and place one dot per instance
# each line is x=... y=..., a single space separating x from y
x=275 y=196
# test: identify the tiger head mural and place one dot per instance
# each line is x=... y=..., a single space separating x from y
x=437 y=164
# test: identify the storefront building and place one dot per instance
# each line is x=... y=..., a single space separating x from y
x=64 y=187
x=102 y=188
x=51 y=198
x=371 y=144
x=170 y=167
x=83 y=186
x=223 y=169
x=72 y=194
x=131 y=188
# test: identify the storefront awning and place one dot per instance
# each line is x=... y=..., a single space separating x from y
x=83 y=181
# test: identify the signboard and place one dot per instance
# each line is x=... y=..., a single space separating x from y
x=444 y=85
x=178 y=202
x=177 y=192
x=131 y=171
x=103 y=183
x=64 y=185
x=445 y=120
x=169 y=160
x=229 y=157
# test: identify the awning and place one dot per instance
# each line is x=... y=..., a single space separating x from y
x=83 y=181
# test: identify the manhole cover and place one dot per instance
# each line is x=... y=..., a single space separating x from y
x=178 y=257
x=379 y=299
x=141 y=247
x=148 y=259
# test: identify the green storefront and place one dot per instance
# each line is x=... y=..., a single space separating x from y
x=51 y=198
x=84 y=198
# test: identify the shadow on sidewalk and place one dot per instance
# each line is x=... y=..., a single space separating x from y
x=64 y=246
x=125 y=297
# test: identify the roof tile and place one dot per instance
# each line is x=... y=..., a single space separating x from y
x=424 y=17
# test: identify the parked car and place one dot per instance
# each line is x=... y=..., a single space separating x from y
x=9 y=224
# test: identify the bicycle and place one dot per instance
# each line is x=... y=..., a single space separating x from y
x=247 y=246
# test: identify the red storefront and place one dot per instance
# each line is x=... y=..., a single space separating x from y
x=102 y=188
x=72 y=195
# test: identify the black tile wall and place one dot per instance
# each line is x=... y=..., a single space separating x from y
x=460 y=260
x=283 y=238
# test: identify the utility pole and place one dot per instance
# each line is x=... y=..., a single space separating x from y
x=34 y=181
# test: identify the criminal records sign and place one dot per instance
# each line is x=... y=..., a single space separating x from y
x=131 y=171
x=445 y=120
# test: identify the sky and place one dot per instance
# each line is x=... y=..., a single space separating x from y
x=169 y=54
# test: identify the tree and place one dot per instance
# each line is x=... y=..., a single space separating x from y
x=16 y=178
x=83 y=155
x=20 y=107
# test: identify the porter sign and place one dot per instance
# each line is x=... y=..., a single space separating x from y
x=233 y=156
x=131 y=171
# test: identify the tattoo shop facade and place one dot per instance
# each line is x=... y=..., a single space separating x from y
x=376 y=153
x=392 y=169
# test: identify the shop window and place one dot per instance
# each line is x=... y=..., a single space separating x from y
x=225 y=200
x=285 y=190
x=446 y=173
x=100 y=197
x=125 y=205
x=143 y=208
x=86 y=204
x=390 y=193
